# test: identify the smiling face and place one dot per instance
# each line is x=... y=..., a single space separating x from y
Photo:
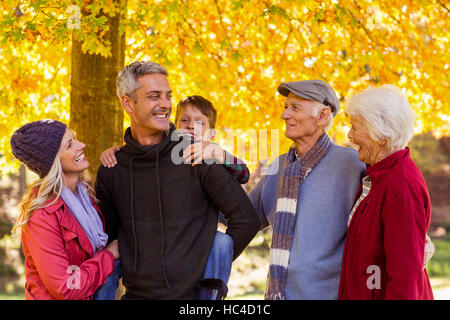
x=299 y=117
x=369 y=150
x=151 y=110
x=71 y=155
x=194 y=121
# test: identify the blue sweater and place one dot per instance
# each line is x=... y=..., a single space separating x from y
x=324 y=202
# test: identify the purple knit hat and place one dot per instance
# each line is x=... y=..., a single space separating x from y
x=36 y=144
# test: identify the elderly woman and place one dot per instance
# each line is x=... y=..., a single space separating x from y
x=384 y=250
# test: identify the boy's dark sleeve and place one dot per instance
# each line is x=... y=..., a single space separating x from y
x=227 y=195
x=237 y=168
x=106 y=205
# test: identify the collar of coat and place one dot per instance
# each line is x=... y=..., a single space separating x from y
x=387 y=163
x=68 y=222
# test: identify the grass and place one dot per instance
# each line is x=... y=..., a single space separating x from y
x=14 y=296
x=248 y=276
x=249 y=272
x=439 y=265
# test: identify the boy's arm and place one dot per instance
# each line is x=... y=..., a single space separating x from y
x=108 y=157
x=206 y=150
x=227 y=196
x=237 y=168
x=106 y=205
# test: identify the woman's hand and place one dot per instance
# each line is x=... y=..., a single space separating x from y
x=429 y=251
x=113 y=247
x=108 y=157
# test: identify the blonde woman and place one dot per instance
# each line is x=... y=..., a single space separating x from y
x=62 y=231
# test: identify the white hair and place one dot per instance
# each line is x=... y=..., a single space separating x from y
x=319 y=106
x=387 y=115
x=126 y=81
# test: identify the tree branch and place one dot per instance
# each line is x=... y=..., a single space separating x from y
x=223 y=26
x=443 y=6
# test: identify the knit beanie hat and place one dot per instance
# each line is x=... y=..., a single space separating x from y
x=36 y=144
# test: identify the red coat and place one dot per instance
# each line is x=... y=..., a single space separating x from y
x=386 y=236
x=59 y=259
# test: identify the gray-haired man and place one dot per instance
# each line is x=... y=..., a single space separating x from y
x=308 y=199
x=165 y=215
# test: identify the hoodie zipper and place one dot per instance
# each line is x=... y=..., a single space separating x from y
x=133 y=227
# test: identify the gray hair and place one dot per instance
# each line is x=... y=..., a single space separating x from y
x=319 y=106
x=387 y=114
x=127 y=80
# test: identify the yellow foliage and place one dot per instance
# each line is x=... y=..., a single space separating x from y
x=235 y=53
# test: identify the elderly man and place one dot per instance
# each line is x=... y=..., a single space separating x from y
x=308 y=200
x=164 y=215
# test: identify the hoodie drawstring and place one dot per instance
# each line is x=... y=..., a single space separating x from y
x=161 y=219
x=133 y=228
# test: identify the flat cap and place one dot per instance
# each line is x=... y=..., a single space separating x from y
x=316 y=90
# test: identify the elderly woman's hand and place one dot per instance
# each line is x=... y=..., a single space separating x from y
x=429 y=251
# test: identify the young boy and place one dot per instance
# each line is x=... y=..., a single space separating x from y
x=196 y=117
x=192 y=110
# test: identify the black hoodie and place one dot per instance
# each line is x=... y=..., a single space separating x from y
x=165 y=217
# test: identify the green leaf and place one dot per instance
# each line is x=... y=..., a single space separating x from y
x=235 y=56
x=62 y=33
x=30 y=26
x=101 y=21
x=49 y=21
x=197 y=48
x=8 y=20
x=37 y=4
x=280 y=11
x=93 y=8
x=173 y=7
x=224 y=44
x=236 y=5
x=17 y=34
x=319 y=15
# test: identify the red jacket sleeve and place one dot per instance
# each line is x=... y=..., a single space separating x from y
x=43 y=239
x=405 y=224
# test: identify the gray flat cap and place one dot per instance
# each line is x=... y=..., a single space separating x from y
x=316 y=90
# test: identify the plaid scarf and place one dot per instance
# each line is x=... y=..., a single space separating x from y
x=296 y=170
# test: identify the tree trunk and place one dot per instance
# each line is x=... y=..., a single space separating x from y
x=22 y=181
x=96 y=114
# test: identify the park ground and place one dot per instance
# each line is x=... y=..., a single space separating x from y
x=249 y=271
